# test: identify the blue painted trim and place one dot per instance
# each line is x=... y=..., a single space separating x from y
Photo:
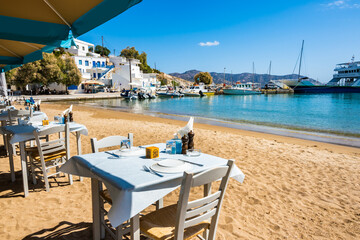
x=100 y=14
x=25 y=30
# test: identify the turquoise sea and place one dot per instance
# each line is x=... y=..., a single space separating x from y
x=326 y=113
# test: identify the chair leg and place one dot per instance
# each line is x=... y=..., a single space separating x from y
x=46 y=180
x=58 y=172
x=101 y=213
x=70 y=179
x=135 y=227
x=13 y=149
x=159 y=204
x=119 y=233
x=33 y=173
x=11 y=160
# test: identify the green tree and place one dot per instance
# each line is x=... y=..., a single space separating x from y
x=49 y=70
x=21 y=76
x=59 y=68
x=104 y=51
x=132 y=53
x=204 y=77
x=69 y=72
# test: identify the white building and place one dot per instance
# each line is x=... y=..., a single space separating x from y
x=81 y=48
x=91 y=67
x=114 y=71
x=121 y=75
x=90 y=64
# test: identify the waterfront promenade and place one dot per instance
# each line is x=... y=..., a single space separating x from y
x=71 y=97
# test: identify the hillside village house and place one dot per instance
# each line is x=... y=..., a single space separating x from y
x=113 y=72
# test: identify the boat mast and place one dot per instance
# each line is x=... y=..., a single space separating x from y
x=253 y=72
x=270 y=71
x=301 y=54
x=224 y=75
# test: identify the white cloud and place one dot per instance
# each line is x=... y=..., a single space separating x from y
x=336 y=4
x=343 y=4
x=209 y=44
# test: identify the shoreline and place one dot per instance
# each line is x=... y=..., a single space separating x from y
x=341 y=140
x=294 y=188
x=208 y=125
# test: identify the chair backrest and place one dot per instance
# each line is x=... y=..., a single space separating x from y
x=12 y=117
x=60 y=143
x=110 y=141
x=208 y=207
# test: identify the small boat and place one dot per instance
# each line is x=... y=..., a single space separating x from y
x=242 y=89
x=151 y=96
x=198 y=91
x=170 y=94
x=129 y=95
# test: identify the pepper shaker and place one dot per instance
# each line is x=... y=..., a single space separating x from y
x=191 y=139
x=185 y=142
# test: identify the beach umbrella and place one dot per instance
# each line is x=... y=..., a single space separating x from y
x=92 y=82
x=29 y=28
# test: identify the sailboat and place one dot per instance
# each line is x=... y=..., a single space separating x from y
x=300 y=81
x=249 y=88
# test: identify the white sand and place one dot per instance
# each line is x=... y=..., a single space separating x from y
x=294 y=189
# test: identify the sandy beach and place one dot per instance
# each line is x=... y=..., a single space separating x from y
x=294 y=189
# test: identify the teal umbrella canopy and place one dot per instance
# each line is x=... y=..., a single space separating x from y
x=30 y=27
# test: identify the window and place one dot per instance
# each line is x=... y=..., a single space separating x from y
x=80 y=62
x=99 y=74
x=94 y=64
x=86 y=63
x=94 y=75
x=103 y=64
x=83 y=48
x=77 y=46
x=98 y=64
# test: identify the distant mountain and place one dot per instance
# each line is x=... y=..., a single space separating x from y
x=242 y=77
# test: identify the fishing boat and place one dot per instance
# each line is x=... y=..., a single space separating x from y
x=129 y=95
x=170 y=94
x=199 y=91
x=239 y=88
x=249 y=88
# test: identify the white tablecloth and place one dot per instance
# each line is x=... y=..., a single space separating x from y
x=131 y=188
x=4 y=116
x=21 y=133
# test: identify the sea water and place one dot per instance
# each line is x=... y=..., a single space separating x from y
x=328 y=113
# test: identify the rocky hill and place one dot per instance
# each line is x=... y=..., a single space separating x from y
x=243 y=77
x=168 y=80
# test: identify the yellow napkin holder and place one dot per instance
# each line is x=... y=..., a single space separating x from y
x=45 y=122
x=152 y=152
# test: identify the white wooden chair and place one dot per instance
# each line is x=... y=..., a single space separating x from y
x=124 y=228
x=13 y=117
x=186 y=220
x=50 y=153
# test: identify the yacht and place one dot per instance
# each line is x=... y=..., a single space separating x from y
x=239 y=88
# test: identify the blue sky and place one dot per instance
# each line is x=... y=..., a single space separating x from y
x=239 y=33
